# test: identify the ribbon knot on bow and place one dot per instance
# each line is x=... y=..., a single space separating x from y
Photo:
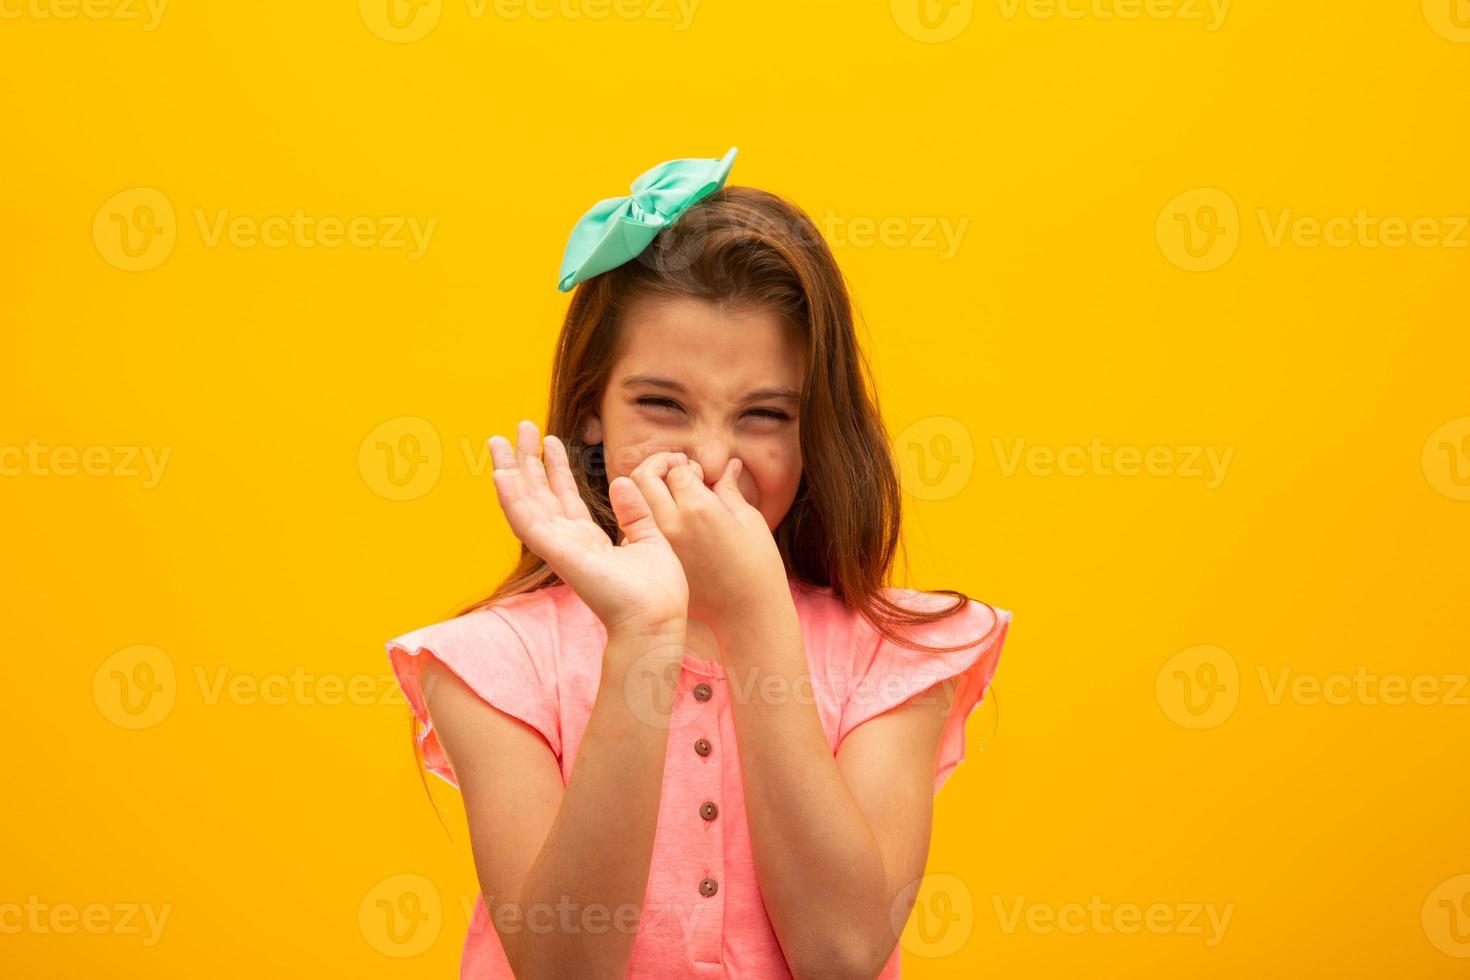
x=618 y=229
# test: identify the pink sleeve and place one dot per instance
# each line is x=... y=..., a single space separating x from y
x=494 y=659
x=896 y=674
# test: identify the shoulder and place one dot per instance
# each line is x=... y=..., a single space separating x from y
x=535 y=620
x=517 y=639
x=965 y=620
x=508 y=653
x=843 y=633
x=943 y=685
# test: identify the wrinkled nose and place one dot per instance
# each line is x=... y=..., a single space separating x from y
x=712 y=459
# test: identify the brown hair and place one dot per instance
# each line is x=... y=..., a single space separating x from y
x=747 y=248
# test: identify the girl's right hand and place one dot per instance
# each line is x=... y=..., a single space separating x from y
x=637 y=585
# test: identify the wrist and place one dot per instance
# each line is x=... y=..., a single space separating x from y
x=645 y=643
x=650 y=633
x=758 y=616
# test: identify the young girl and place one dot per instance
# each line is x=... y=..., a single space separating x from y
x=695 y=733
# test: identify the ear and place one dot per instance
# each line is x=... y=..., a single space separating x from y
x=592 y=434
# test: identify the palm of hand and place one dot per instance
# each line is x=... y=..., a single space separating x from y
x=639 y=580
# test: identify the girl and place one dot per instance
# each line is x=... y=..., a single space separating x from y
x=694 y=732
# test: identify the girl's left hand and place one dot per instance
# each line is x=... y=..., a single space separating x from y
x=729 y=555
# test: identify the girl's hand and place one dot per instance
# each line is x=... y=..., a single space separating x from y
x=636 y=585
x=729 y=555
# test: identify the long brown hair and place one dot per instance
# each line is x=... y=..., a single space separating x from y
x=747 y=248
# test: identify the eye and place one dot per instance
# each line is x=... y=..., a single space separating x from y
x=775 y=414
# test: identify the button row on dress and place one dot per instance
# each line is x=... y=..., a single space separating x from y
x=707 y=810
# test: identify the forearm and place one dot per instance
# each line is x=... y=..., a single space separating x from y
x=583 y=895
x=817 y=861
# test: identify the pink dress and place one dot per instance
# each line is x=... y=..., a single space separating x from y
x=538 y=657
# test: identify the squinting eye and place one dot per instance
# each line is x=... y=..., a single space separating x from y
x=774 y=414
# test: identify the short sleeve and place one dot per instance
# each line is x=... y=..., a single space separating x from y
x=896 y=673
x=495 y=659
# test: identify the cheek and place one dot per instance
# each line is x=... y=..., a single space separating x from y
x=773 y=477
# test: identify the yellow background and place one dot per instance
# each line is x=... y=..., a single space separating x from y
x=272 y=817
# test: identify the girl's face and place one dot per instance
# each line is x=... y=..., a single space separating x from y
x=692 y=377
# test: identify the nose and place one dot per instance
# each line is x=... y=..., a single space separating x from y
x=712 y=456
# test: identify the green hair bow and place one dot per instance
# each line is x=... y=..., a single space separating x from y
x=618 y=229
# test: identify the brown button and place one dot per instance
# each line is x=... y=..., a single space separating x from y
x=702 y=746
x=708 y=810
x=702 y=692
x=708 y=887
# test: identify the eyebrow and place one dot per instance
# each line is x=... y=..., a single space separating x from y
x=653 y=381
